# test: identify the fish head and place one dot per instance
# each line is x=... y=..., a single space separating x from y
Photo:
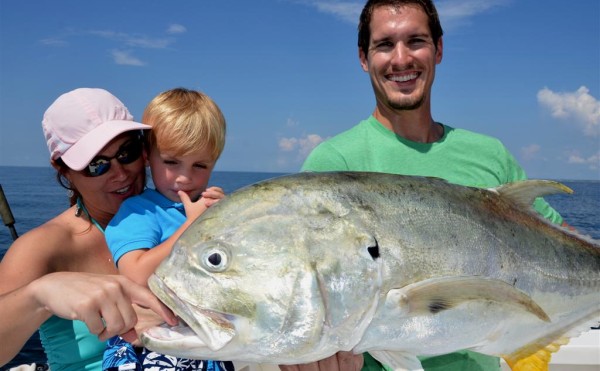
x=262 y=278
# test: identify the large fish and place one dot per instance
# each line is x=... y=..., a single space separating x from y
x=296 y=268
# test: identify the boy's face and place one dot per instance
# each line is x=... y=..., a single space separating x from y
x=189 y=173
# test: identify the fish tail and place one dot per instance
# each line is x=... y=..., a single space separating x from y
x=537 y=361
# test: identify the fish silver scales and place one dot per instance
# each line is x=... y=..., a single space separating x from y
x=296 y=268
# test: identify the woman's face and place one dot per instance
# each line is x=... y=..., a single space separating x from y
x=103 y=194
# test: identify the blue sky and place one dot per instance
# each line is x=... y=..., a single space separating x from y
x=286 y=72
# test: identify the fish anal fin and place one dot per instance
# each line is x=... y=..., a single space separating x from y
x=525 y=360
x=399 y=361
x=441 y=293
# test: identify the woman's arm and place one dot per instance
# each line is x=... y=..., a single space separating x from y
x=103 y=302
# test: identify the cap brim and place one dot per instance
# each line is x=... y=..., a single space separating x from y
x=81 y=153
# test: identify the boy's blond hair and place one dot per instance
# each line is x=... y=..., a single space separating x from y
x=184 y=121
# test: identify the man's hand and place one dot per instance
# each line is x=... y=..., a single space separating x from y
x=341 y=361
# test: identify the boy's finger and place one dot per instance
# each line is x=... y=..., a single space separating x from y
x=185 y=198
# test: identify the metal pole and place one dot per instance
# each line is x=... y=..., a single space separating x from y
x=7 y=216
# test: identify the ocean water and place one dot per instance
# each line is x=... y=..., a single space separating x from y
x=35 y=197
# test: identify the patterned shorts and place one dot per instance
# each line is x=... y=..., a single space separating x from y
x=122 y=356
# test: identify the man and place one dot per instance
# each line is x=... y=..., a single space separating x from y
x=400 y=43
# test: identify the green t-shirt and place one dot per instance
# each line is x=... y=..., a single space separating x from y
x=460 y=156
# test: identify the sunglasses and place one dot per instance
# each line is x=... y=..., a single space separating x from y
x=128 y=153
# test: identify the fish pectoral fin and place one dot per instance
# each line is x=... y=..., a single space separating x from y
x=399 y=361
x=441 y=293
x=526 y=191
x=524 y=360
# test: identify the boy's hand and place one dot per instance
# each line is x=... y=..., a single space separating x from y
x=194 y=209
x=212 y=195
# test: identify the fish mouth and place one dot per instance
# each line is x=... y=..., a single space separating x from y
x=198 y=328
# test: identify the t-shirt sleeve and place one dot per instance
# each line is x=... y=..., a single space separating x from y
x=132 y=228
x=324 y=158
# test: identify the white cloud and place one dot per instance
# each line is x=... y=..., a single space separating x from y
x=592 y=161
x=302 y=145
x=454 y=13
x=292 y=123
x=176 y=28
x=139 y=41
x=579 y=106
x=149 y=43
x=531 y=151
x=287 y=144
x=125 y=58
x=451 y=12
x=51 y=41
x=346 y=10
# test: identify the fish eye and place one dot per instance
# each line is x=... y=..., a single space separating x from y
x=215 y=260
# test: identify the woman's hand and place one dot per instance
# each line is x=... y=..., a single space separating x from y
x=341 y=361
x=103 y=302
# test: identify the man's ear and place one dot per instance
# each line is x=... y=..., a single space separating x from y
x=439 y=51
x=364 y=63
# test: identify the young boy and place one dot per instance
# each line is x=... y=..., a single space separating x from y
x=187 y=138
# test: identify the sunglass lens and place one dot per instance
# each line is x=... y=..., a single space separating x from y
x=130 y=152
x=127 y=154
x=98 y=167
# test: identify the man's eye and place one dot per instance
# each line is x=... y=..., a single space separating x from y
x=384 y=45
x=418 y=41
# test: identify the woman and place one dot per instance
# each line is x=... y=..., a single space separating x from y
x=63 y=269
x=97 y=150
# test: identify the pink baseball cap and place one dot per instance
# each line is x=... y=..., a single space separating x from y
x=81 y=122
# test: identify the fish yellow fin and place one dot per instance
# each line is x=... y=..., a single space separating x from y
x=526 y=191
x=537 y=361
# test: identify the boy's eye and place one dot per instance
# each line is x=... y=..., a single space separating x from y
x=201 y=166
x=170 y=162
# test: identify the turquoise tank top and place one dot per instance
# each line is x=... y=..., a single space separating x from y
x=69 y=345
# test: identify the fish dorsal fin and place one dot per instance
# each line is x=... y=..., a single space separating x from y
x=537 y=361
x=442 y=293
x=526 y=191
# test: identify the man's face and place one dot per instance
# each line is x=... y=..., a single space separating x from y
x=402 y=57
